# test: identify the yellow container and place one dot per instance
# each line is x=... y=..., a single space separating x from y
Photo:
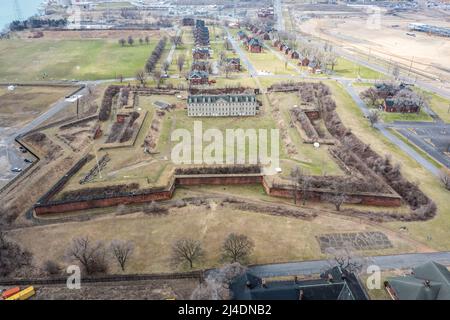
x=24 y=294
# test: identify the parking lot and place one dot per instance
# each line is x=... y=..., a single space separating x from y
x=433 y=138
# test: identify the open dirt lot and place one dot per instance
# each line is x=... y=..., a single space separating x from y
x=389 y=40
x=26 y=102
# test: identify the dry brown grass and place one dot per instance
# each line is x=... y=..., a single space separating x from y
x=277 y=239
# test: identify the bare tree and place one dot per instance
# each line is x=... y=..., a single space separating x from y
x=122 y=251
x=91 y=255
x=373 y=116
x=156 y=75
x=141 y=77
x=166 y=66
x=338 y=194
x=216 y=284
x=130 y=40
x=301 y=182
x=180 y=62
x=52 y=268
x=370 y=95
x=396 y=71
x=147 y=40
x=445 y=178
x=346 y=259
x=237 y=248
x=187 y=251
x=13 y=259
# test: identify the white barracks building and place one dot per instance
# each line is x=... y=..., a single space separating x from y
x=223 y=105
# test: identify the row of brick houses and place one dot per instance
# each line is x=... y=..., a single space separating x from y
x=199 y=74
x=201 y=34
x=263 y=32
x=312 y=65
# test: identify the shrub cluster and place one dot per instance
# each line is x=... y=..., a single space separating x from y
x=105 y=109
x=156 y=54
x=235 y=169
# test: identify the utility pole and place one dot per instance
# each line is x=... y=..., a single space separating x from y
x=78 y=106
x=410 y=66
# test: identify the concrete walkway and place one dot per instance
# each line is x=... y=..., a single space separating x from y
x=388 y=262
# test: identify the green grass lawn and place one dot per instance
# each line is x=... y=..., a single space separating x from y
x=266 y=61
x=395 y=116
x=70 y=59
x=438 y=104
x=349 y=69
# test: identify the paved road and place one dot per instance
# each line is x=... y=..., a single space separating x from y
x=401 y=261
x=9 y=149
x=172 y=50
x=279 y=13
x=422 y=144
x=241 y=54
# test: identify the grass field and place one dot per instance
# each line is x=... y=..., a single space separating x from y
x=277 y=239
x=439 y=105
x=28 y=60
x=395 y=116
x=26 y=102
x=349 y=69
x=267 y=62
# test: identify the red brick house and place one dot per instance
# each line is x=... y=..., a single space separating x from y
x=234 y=63
x=200 y=53
x=295 y=54
x=254 y=45
x=304 y=62
x=198 y=77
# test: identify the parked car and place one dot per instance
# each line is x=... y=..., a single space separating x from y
x=16 y=169
x=22 y=149
x=28 y=160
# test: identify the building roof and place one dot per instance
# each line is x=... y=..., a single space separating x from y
x=343 y=286
x=198 y=74
x=254 y=42
x=429 y=281
x=233 y=60
x=228 y=98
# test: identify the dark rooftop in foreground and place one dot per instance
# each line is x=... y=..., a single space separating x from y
x=333 y=284
x=429 y=281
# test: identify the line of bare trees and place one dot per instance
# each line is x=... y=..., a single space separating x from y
x=130 y=41
x=94 y=256
x=156 y=54
x=235 y=248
